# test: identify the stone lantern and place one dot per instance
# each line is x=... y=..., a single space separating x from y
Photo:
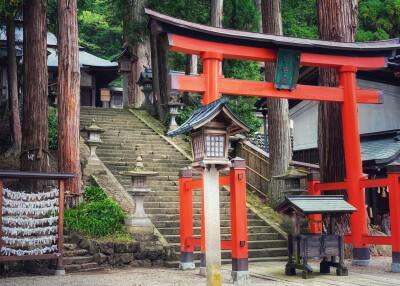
x=93 y=138
x=139 y=222
x=173 y=111
x=209 y=128
x=146 y=82
x=292 y=179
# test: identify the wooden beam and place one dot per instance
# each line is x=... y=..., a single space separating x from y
x=182 y=44
x=267 y=89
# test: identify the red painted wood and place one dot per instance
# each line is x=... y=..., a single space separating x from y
x=211 y=64
x=352 y=150
x=312 y=191
x=196 y=47
x=331 y=186
x=374 y=183
x=186 y=214
x=266 y=89
x=196 y=242
x=394 y=206
x=238 y=213
x=370 y=239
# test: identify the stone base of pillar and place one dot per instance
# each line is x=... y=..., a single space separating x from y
x=139 y=225
x=395 y=267
x=203 y=271
x=187 y=260
x=361 y=256
x=55 y=272
x=240 y=277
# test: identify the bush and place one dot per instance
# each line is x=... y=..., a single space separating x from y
x=53 y=128
x=96 y=216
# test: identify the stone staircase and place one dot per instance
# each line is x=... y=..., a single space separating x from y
x=76 y=258
x=127 y=136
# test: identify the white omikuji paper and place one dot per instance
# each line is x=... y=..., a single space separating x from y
x=30 y=196
x=20 y=252
x=30 y=240
x=29 y=205
x=16 y=228
x=28 y=222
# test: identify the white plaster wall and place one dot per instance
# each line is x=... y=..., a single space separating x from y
x=86 y=79
x=371 y=117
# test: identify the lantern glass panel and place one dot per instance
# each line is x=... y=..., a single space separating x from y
x=215 y=146
x=198 y=147
x=125 y=65
x=94 y=136
x=140 y=182
x=295 y=183
x=174 y=109
x=147 y=85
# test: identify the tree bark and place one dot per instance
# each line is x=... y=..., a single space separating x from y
x=163 y=69
x=278 y=110
x=190 y=68
x=34 y=149
x=68 y=97
x=216 y=12
x=337 y=21
x=15 y=124
x=141 y=49
x=156 y=80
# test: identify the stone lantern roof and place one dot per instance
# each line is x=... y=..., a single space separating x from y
x=93 y=127
x=206 y=113
x=291 y=173
x=139 y=170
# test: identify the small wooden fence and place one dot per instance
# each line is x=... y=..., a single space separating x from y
x=26 y=212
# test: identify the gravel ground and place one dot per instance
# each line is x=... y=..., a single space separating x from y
x=123 y=277
x=166 y=276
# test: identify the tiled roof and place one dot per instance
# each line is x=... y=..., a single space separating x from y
x=380 y=149
x=314 y=205
x=85 y=59
x=203 y=113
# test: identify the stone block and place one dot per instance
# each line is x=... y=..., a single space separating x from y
x=114 y=259
x=144 y=263
x=93 y=247
x=126 y=257
x=132 y=246
x=84 y=243
x=100 y=258
x=121 y=247
x=134 y=263
x=158 y=262
x=107 y=247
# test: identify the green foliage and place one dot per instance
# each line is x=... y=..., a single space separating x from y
x=378 y=20
x=53 y=128
x=184 y=114
x=96 y=216
x=299 y=18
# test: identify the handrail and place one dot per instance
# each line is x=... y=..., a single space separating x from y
x=254 y=171
x=253 y=153
x=26 y=175
x=257 y=190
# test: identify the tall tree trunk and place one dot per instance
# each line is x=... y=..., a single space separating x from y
x=163 y=68
x=15 y=124
x=337 y=21
x=68 y=97
x=278 y=109
x=216 y=12
x=140 y=48
x=190 y=68
x=34 y=149
x=156 y=79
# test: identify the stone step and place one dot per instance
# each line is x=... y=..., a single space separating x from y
x=78 y=260
x=196 y=217
x=159 y=197
x=90 y=265
x=197 y=223
x=69 y=246
x=176 y=211
x=224 y=230
x=176 y=204
x=250 y=236
x=77 y=252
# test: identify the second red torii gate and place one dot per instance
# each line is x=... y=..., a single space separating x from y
x=213 y=44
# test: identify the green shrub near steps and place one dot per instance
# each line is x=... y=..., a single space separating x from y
x=96 y=216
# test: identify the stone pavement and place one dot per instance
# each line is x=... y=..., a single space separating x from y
x=262 y=273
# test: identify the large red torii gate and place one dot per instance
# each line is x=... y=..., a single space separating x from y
x=213 y=44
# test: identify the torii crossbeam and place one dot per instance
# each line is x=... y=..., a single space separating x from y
x=213 y=44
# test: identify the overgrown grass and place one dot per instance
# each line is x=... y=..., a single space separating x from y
x=97 y=216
